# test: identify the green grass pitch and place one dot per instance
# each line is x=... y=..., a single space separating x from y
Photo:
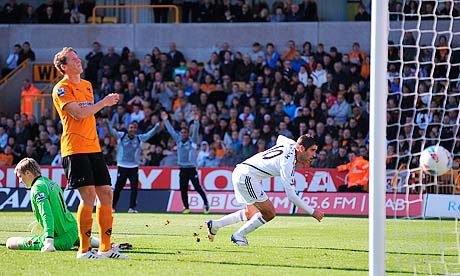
x=289 y=245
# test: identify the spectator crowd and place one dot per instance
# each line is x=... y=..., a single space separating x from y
x=244 y=102
x=205 y=11
x=246 y=99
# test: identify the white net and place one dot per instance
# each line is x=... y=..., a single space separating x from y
x=422 y=235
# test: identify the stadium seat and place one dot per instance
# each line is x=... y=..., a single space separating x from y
x=90 y=19
x=110 y=19
x=103 y=19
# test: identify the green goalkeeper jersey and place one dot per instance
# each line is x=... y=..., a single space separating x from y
x=50 y=210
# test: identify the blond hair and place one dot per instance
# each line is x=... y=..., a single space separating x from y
x=60 y=58
x=28 y=164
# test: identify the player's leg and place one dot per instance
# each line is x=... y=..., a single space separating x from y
x=79 y=175
x=66 y=242
x=122 y=176
x=240 y=215
x=250 y=192
x=104 y=219
x=199 y=189
x=265 y=214
x=214 y=225
x=85 y=216
x=104 y=215
x=242 y=195
x=25 y=243
x=184 y=177
x=134 y=180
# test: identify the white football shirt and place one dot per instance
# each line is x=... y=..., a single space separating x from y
x=278 y=161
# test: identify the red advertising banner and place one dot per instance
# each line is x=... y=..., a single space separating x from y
x=213 y=179
x=356 y=204
x=223 y=202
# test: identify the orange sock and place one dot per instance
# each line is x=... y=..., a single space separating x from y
x=104 y=220
x=85 y=224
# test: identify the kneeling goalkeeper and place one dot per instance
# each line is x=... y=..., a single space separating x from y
x=50 y=210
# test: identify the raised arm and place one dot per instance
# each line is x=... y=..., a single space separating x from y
x=196 y=126
x=145 y=136
x=112 y=131
x=172 y=132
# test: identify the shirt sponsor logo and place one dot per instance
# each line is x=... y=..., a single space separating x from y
x=61 y=92
x=85 y=104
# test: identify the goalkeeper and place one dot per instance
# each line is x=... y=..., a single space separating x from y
x=50 y=210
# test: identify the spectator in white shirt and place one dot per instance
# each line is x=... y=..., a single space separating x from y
x=12 y=60
x=137 y=114
x=319 y=75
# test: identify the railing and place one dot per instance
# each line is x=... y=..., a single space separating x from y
x=135 y=7
x=41 y=99
x=449 y=183
x=19 y=67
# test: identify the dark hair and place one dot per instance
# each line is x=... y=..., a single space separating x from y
x=306 y=141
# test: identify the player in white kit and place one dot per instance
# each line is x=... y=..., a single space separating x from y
x=280 y=160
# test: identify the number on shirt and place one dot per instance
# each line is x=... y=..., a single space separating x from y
x=273 y=152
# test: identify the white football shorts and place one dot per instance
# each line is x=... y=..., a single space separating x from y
x=248 y=189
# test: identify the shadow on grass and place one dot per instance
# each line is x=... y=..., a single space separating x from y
x=328 y=268
x=128 y=252
x=361 y=251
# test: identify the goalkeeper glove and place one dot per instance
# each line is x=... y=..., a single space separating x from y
x=48 y=245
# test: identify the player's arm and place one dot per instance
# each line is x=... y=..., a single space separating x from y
x=111 y=130
x=41 y=197
x=287 y=172
x=144 y=137
x=172 y=132
x=196 y=126
x=82 y=112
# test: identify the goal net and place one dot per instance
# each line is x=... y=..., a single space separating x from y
x=422 y=230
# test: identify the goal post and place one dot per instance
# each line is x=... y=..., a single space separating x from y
x=377 y=137
x=414 y=104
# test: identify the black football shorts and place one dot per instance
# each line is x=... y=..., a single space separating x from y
x=86 y=169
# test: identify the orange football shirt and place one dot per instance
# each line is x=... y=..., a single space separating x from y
x=78 y=136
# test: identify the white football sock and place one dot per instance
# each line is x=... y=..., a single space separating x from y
x=230 y=219
x=255 y=222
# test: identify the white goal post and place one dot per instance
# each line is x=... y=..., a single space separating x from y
x=414 y=104
x=377 y=136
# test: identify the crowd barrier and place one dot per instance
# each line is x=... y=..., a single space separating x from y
x=213 y=179
x=317 y=187
x=349 y=204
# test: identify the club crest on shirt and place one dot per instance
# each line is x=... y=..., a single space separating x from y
x=60 y=91
x=39 y=197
